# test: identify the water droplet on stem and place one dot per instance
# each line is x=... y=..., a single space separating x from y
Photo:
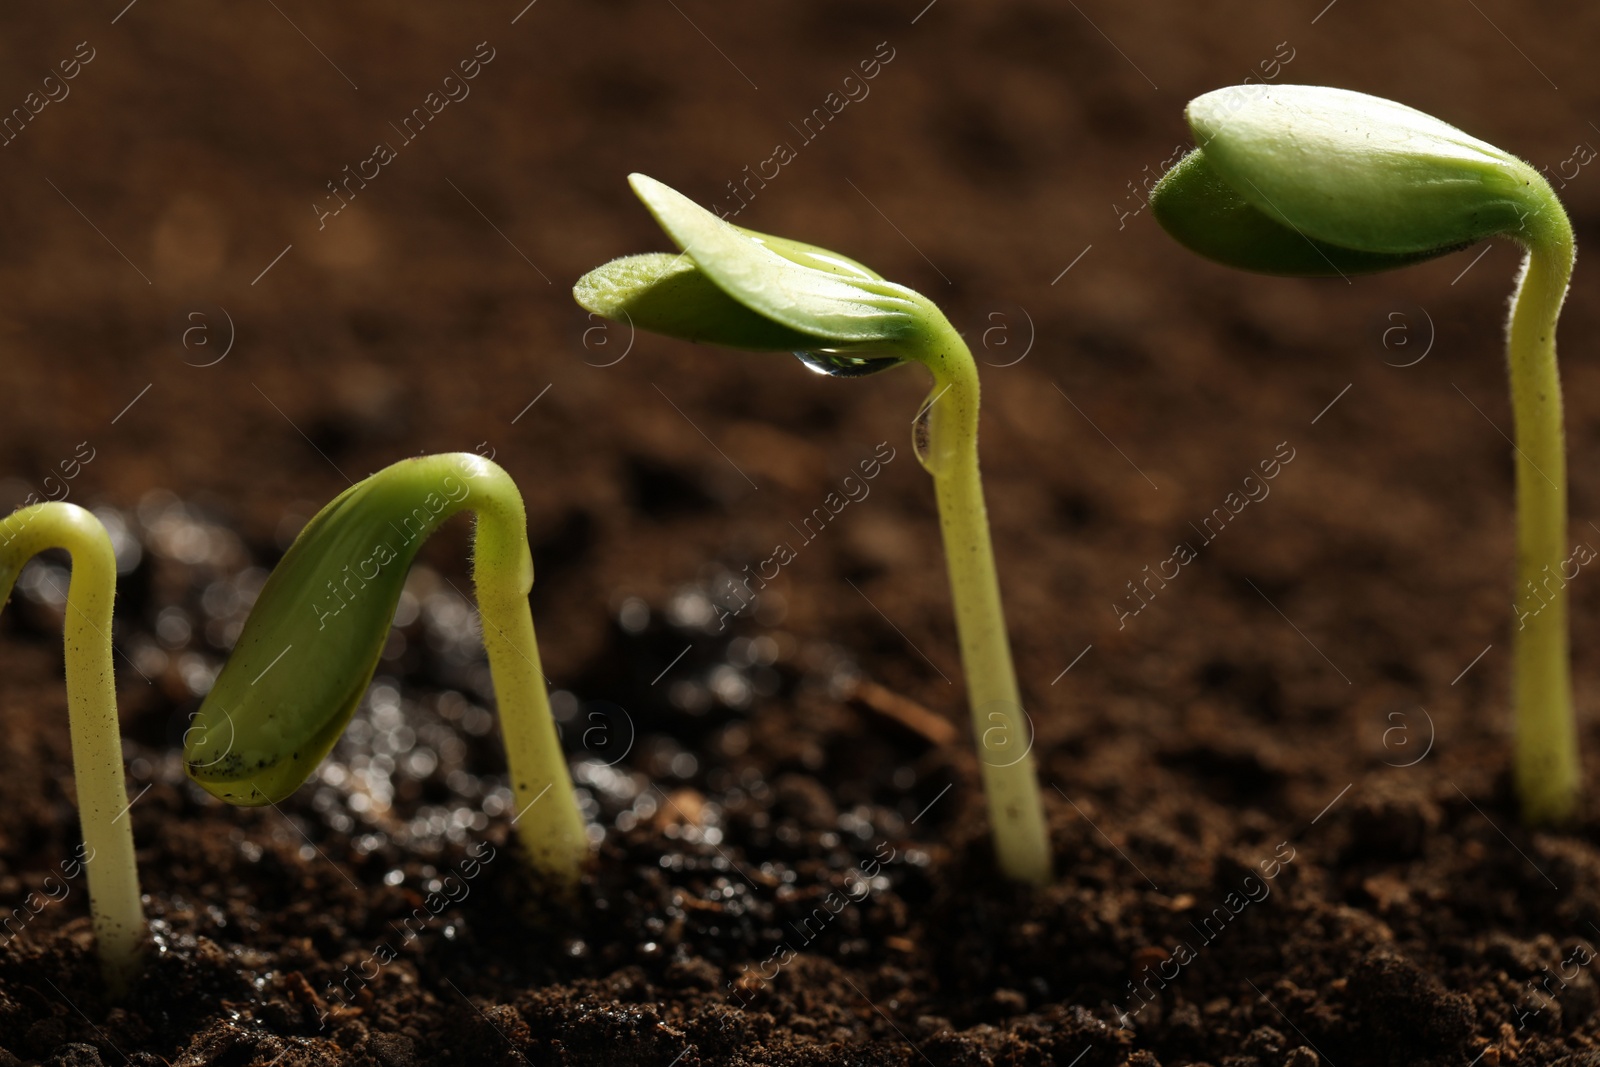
x=922 y=436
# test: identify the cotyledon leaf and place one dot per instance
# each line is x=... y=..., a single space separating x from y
x=667 y=293
x=1208 y=216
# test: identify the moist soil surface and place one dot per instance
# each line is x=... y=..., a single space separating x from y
x=1276 y=782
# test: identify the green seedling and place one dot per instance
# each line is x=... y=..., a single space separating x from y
x=743 y=289
x=1305 y=180
x=311 y=644
x=113 y=877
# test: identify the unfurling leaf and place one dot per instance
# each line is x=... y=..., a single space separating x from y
x=744 y=289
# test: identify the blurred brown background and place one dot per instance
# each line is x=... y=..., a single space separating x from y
x=1001 y=144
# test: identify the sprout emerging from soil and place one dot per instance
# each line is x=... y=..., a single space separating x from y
x=313 y=639
x=113 y=877
x=1305 y=180
x=735 y=287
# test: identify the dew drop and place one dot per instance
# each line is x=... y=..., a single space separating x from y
x=845 y=365
x=934 y=451
x=922 y=436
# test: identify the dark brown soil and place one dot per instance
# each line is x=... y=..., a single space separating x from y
x=794 y=867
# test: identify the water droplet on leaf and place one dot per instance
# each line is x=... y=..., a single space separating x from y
x=845 y=365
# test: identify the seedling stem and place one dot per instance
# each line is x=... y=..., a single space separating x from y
x=1004 y=734
x=103 y=809
x=1546 y=762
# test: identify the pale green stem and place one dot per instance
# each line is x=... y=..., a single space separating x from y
x=550 y=826
x=113 y=877
x=1004 y=732
x=1547 y=769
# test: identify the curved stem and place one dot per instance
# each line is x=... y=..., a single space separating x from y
x=502 y=566
x=1547 y=771
x=502 y=569
x=113 y=876
x=949 y=452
